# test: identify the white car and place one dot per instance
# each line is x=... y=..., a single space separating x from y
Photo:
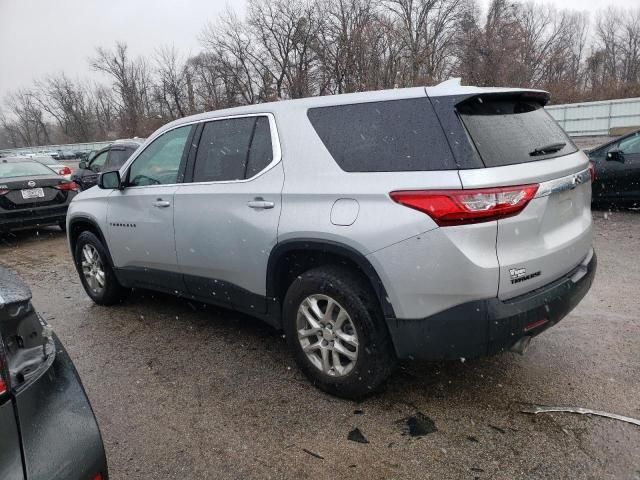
x=55 y=165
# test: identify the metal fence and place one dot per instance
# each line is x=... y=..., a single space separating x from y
x=607 y=117
x=45 y=149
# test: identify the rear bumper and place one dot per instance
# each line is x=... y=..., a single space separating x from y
x=37 y=217
x=485 y=327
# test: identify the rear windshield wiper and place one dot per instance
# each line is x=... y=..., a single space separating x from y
x=551 y=148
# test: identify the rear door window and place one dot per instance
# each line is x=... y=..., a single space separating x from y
x=512 y=130
x=233 y=149
x=117 y=157
x=389 y=136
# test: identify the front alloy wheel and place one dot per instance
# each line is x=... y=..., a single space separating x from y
x=97 y=275
x=327 y=335
x=92 y=268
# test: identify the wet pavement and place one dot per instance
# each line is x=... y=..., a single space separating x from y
x=184 y=391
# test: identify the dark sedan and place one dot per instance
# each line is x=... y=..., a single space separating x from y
x=48 y=429
x=32 y=195
x=617 y=167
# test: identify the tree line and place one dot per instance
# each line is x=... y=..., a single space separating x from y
x=296 y=48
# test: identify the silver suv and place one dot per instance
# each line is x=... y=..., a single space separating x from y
x=424 y=223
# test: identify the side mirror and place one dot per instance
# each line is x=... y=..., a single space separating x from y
x=82 y=164
x=110 y=180
x=615 y=155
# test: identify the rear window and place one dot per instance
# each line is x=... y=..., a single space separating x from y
x=46 y=160
x=508 y=131
x=390 y=136
x=23 y=169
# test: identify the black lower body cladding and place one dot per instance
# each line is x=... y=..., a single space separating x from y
x=486 y=327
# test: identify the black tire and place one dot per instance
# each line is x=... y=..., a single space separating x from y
x=376 y=358
x=112 y=292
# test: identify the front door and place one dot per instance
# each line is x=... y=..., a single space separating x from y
x=88 y=177
x=140 y=216
x=619 y=180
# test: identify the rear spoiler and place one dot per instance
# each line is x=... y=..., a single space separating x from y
x=537 y=96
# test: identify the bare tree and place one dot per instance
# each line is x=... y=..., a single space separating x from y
x=132 y=85
x=286 y=31
x=172 y=82
x=69 y=104
x=28 y=126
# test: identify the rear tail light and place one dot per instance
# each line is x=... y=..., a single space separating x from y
x=592 y=172
x=64 y=171
x=460 y=207
x=68 y=186
x=4 y=383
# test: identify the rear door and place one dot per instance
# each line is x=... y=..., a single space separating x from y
x=227 y=211
x=521 y=144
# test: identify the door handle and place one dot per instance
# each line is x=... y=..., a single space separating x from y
x=261 y=203
x=159 y=203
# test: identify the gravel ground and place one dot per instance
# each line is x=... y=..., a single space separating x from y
x=186 y=391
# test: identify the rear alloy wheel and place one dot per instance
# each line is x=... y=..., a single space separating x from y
x=327 y=335
x=336 y=331
x=96 y=274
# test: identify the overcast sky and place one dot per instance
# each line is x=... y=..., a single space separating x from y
x=40 y=37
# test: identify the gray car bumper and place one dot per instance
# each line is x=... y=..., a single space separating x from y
x=486 y=327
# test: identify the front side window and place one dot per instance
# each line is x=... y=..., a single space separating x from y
x=160 y=162
x=98 y=162
x=630 y=145
x=233 y=149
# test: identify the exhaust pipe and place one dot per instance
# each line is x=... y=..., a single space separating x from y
x=521 y=345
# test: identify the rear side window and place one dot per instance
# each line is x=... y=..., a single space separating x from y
x=390 y=136
x=233 y=149
x=512 y=130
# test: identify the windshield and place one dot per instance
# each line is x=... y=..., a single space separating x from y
x=23 y=169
